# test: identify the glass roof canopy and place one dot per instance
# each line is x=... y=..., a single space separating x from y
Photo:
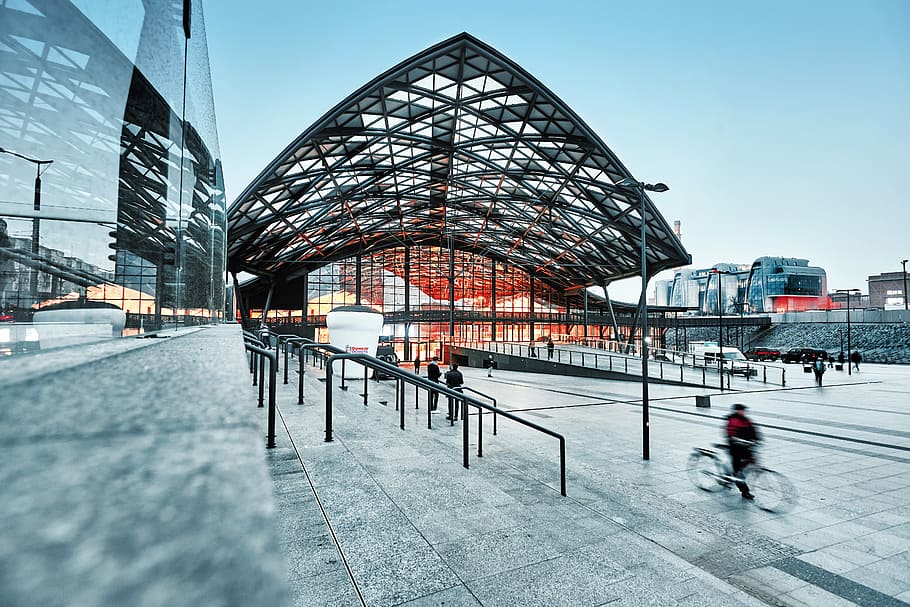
x=456 y=146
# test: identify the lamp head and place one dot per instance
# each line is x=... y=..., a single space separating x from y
x=657 y=187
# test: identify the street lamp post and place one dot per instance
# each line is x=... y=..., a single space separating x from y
x=904 y=264
x=639 y=186
x=36 y=221
x=849 y=344
x=720 y=325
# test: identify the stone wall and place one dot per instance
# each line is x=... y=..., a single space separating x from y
x=877 y=342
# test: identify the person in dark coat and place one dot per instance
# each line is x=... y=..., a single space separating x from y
x=550 y=347
x=818 y=367
x=741 y=436
x=433 y=374
x=417 y=365
x=454 y=380
x=856 y=358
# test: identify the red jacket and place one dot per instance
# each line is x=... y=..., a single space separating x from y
x=739 y=426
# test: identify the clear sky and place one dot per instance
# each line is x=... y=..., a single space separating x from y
x=781 y=127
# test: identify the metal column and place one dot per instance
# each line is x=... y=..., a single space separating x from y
x=493 y=299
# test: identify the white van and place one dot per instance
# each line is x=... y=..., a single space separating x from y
x=707 y=354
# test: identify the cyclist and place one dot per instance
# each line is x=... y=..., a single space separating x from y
x=741 y=434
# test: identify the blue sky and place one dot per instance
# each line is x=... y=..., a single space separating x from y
x=782 y=128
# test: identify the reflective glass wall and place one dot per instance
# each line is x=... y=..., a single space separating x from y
x=411 y=287
x=112 y=210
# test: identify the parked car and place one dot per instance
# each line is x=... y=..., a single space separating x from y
x=804 y=355
x=733 y=360
x=762 y=354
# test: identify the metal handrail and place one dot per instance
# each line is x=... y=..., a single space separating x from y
x=407 y=376
x=479 y=393
x=687 y=360
x=273 y=363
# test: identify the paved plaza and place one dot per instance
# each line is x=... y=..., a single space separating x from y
x=161 y=492
x=391 y=517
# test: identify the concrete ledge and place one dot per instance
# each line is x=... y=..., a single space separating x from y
x=139 y=479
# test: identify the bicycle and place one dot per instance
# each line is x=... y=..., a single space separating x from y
x=710 y=471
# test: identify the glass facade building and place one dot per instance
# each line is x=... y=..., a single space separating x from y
x=768 y=285
x=785 y=284
x=456 y=194
x=112 y=207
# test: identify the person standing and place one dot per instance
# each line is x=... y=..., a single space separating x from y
x=818 y=367
x=6 y=272
x=550 y=347
x=454 y=380
x=417 y=365
x=741 y=436
x=433 y=374
x=532 y=350
x=856 y=358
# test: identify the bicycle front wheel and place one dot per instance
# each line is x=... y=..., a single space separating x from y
x=704 y=471
x=772 y=490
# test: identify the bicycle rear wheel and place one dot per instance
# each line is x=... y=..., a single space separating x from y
x=772 y=490
x=703 y=470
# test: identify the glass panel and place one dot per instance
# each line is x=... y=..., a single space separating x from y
x=112 y=197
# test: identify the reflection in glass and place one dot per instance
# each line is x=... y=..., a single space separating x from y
x=130 y=215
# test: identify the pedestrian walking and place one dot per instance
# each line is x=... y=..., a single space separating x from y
x=550 y=347
x=818 y=367
x=417 y=365
x=455 y=381
x=433 y=374
x=856 y=358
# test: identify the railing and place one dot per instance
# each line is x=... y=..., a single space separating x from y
x=480 y=418
x=621 y=358
x=401 y=376
x=410 y=378
x=263 y=353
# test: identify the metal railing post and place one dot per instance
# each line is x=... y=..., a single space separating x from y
x=301 y=370
x=464 y=430
x=401 y=415
x=480 y=432
x=261 y=377
x=328 y=402
x=273 y=374
x=562 y=466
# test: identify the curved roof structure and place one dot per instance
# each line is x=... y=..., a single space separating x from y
x=456 y=146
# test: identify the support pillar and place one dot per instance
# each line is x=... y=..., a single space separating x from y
x=532 y=307
x=451 y=295
x=493 y=299
x=407 y=303
x=585 y=295
x=358 y=277
x=268 y=304
x=304 y=321
x=612 y=314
